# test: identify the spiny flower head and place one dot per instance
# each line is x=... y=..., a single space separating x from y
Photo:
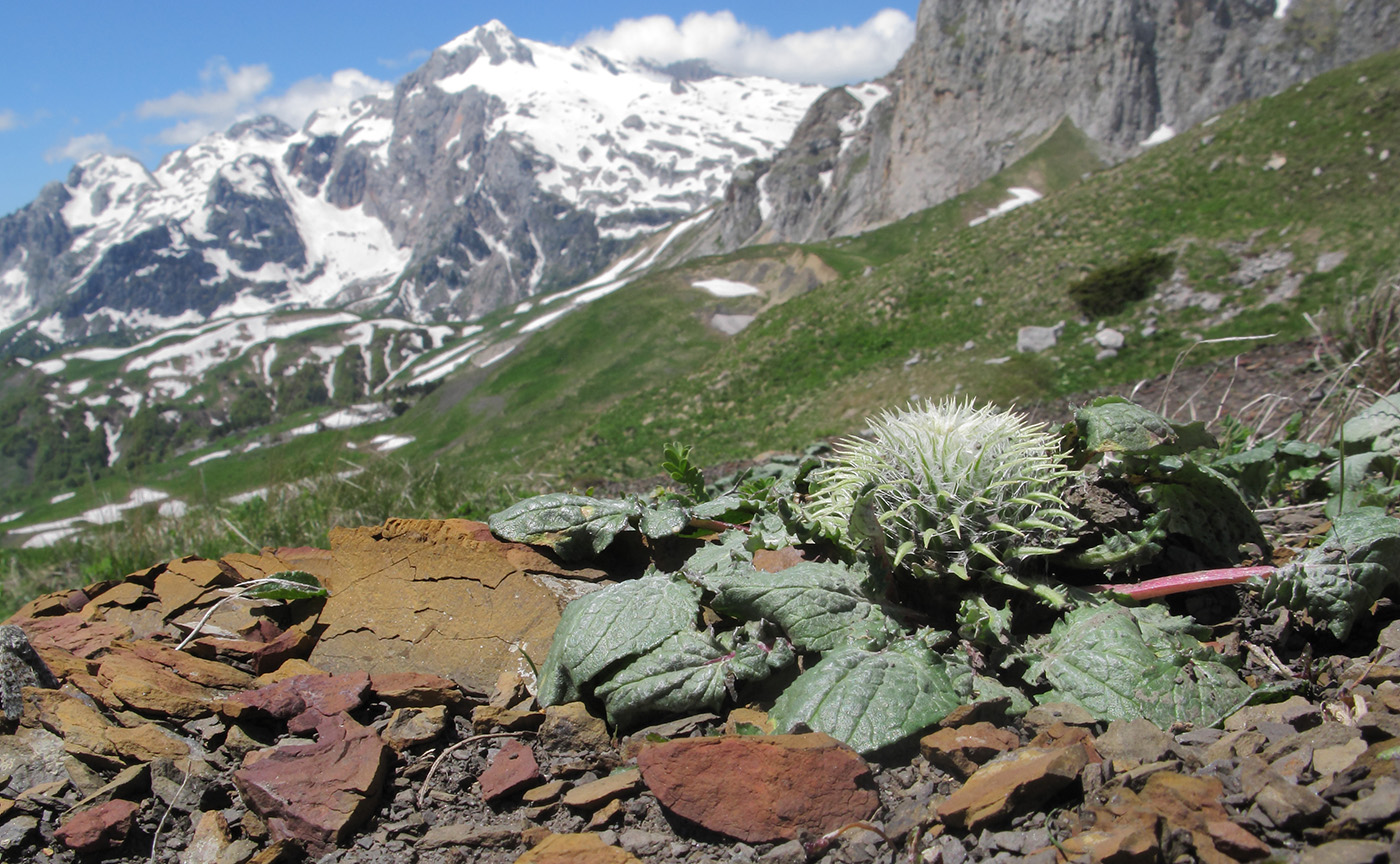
x=948 y=486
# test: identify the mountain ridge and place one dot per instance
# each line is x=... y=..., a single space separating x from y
x=500 y=169
x=983 y=83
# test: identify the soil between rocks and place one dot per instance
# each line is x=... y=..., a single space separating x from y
x=1338 y=801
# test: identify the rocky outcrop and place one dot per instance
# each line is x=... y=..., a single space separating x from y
x=984 y=83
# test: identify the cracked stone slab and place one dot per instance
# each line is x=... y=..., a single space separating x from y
x=439 y=597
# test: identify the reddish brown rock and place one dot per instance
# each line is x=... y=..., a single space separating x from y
x=761 y=789
x=576 y=849
x=99 y=828
x=206 y=673
x=442 y=597
x=262 y=656
x=290 y=699
x=512 y=768
x=960 y=751
x=72 y=633
x=317 y=794
x=1235 y=841
x=415 y=690
x=1064 y=735
x=1172 y=804
x=151 y=688
x=1014 y=785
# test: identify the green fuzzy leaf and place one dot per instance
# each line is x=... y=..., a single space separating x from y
x=871 y=699
x=727 y=558
x=1113 y=424
x=287 y=585
x=1252 y=470
x=819 y=605
x=1375 y=427
x=1205 y=507
x=688 y=672
x=666 y=519
x=726 y=508
x=769 y=530
x=575 y=526
x=1121 y=663
x=613 y=625
x=1337 y=582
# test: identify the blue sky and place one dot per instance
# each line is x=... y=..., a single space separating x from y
x=145 y=77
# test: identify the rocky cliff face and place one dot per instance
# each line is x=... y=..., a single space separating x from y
x=500 y=169
x=984 y=82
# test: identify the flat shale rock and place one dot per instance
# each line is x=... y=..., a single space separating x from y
x=962 y=750
x=761 y=789
x=313 y=695
x=99 y=828
x=440 y=597
x=1012 y=785
x=512 y=769
x=317 y=794
x=575 y=849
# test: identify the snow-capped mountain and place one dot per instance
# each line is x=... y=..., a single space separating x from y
x=500 y=169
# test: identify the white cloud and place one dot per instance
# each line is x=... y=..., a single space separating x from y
x=8 y=121
x=230 y=95
x=312 y=94
x=79 y=147
x=835 y=55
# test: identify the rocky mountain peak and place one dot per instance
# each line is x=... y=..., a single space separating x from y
x=264 y=127
x=500 y=169
x=985 y=82
x=494 y=41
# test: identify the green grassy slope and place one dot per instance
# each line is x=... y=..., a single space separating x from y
x=820 y=363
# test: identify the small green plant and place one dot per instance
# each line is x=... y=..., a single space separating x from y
x=678 y=466
x=942 y=489
x=1108 y=290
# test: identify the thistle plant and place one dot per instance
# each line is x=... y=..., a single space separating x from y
x=949 y=488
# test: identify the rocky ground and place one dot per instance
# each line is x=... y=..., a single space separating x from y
x=391 y=721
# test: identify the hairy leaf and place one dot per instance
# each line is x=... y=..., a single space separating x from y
x=728 y=557
x=871 y=699
x=666 y=519
x=1113 y=424
x=688 y=672
x=287 y=585
x=575 y=526
x=819 y=605
x=1121 y=663
x=1205 y=507
x=1336 y=583
x=1375 y=427
x=613 y=625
